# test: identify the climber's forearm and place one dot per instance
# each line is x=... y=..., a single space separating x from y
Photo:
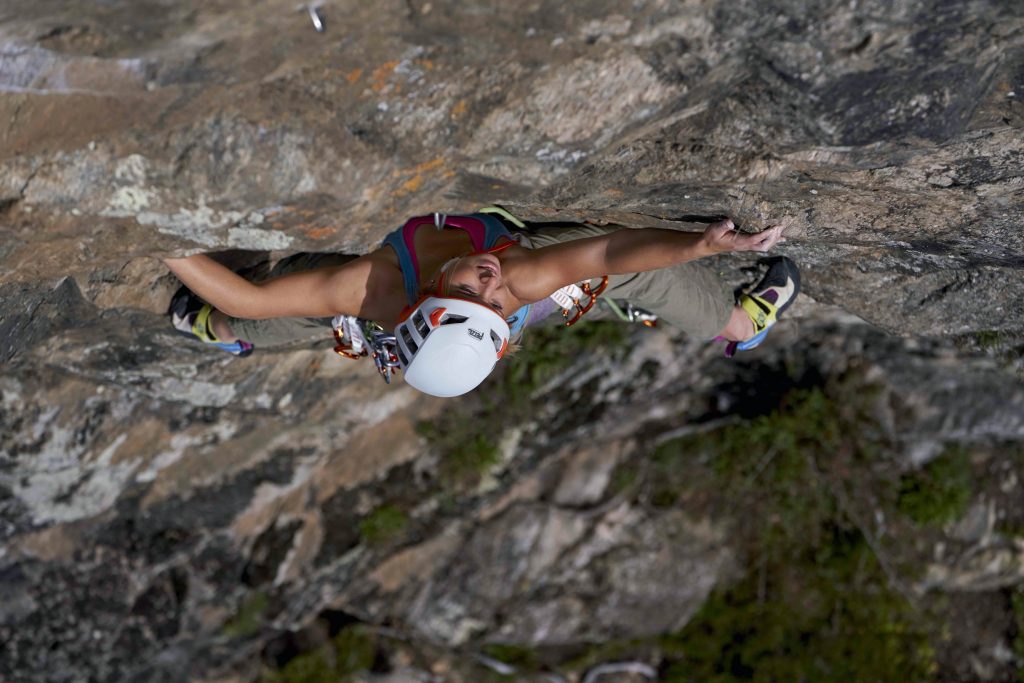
x=636 y=251
x=620 y=252
x=299 y=294
x=216 y=284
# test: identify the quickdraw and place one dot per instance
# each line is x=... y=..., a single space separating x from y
x=639 y=315
x=570 y=298
x=631 y=313
x=357 y=338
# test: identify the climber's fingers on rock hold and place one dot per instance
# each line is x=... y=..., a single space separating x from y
x=764 y=240
x=723 y=236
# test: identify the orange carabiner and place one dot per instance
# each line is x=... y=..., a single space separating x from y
x=592 y=295
x=345 y=350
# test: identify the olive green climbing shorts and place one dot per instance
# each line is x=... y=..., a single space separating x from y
x=690 y=296
x=276 y=331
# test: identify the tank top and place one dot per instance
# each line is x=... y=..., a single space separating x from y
x=485 y=232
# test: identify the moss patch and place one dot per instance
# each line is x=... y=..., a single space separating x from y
x=799 y=487
x=466 y=439
x=249 y=617
x=548 y=351
x=354 y=649
x=803 y=489
x=940 y=491
x=383 y=525
x=988 y=339
x=825 y=617
x=1017 y=604
x=770 y=462
x=466 y=453
x=513 y=655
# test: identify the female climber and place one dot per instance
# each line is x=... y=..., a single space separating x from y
x=456 y=289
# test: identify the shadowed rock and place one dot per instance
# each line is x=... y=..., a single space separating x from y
x=150 y=487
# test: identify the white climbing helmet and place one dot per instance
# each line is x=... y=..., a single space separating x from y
x=447 y=346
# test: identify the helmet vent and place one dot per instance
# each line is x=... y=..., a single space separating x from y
x=409 y=341
x=453 y=319
x=421 y=324
x=498 y=341
x=401 y=357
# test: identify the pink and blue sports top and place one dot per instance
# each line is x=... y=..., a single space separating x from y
x=485 y=232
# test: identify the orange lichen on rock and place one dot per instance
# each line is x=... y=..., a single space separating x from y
x=319 y=233
x=416 y=180
x=380 y=75
x=411 y=185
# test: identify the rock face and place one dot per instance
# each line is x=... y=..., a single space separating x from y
x=886 y=135
x=151 y=490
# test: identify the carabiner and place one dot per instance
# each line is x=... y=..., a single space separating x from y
x=592 y=295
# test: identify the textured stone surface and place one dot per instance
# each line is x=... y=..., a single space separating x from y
x=149 y=487
x=887 y=136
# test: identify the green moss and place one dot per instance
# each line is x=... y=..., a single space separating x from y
x=1013 y=529
x=769 y=462
x=940 y=491
x=466 y=440
x=310 y=667
x=1017 y=604
x=609 y=651
x=816 y=604
x=827 y=617
x=988 y=339
x=622 y=479
x=513 y=655
x=466 y=453
x=383 y=525
x=249 y=617
x=354 y=649
x=548 y=351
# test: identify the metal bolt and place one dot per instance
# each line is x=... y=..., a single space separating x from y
x=314 y=15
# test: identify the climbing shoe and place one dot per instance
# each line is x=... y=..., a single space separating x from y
x=191 y=317
x=769 y=298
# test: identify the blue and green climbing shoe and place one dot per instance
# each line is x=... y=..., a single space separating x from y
x=771 y=296
x=191 y=317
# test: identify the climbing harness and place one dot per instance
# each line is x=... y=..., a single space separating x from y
x=571 y=297
x=357 y=337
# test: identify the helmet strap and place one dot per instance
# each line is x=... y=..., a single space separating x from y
x=497 y=248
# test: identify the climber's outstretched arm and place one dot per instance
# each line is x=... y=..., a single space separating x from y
x=632 y=251
x=322 y=292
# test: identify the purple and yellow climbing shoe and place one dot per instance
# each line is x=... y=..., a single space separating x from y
x=771 y=296
x=191 y=317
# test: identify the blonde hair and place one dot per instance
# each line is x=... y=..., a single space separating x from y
x=445 y=289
